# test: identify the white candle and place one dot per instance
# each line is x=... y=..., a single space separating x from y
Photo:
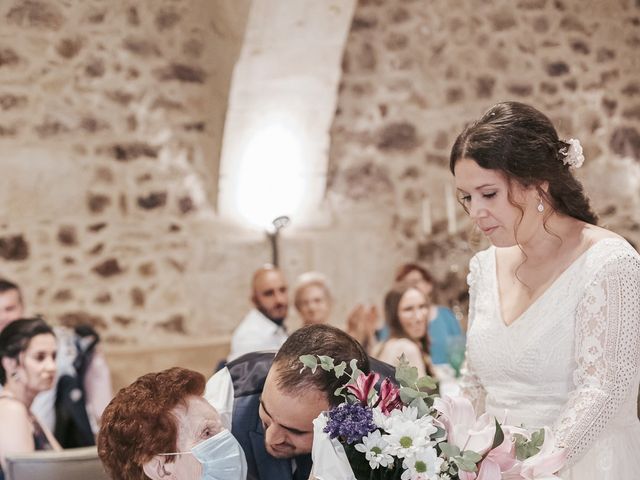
x=427 y=228
x=450 y=200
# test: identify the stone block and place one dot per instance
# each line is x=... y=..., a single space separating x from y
x=14 y=248
x=108 y=268
x=37 y=15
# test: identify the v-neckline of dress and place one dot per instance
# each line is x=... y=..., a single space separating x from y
x=544 y=293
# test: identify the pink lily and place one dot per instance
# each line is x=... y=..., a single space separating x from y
x=362 y=387
x=463 y=429
x=498 y=460
x=389 y=397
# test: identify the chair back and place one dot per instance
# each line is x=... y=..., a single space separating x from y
x=72 y=464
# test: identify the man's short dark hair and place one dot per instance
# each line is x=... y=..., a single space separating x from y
x=6 y=286
x=317 y=340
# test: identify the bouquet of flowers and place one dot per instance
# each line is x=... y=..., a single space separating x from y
x=406 y=432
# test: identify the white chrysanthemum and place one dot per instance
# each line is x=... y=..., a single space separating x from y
x=376 y=450
x=422 y=465
x=380 y=419
x=406 y=438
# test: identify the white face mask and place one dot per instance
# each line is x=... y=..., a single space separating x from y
x=221 y=457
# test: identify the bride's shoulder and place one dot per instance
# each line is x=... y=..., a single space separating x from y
x=605 y=246
x=593 y=234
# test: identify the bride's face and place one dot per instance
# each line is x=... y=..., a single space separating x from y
x=485 y=195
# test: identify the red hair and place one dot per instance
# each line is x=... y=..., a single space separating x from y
x=139 y=422
x=406 y=268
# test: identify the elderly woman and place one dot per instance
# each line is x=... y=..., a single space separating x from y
x=161 y=427
x=27 y=367
x=312 y=298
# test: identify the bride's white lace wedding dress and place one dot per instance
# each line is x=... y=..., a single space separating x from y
x=571 y=361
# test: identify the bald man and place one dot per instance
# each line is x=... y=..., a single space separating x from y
x=263 y=327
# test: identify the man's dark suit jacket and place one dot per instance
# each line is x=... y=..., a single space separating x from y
x=248 y=374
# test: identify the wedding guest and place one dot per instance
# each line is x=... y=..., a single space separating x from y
x=271 y=403
x=161 y=427
x=443 y=326
x=27 y=367
x=263 y=327
x=312 y=298
x=406 y=310
x=554 y=336
x=81 y=370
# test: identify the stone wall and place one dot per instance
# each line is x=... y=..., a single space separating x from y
x=415 y=71
x=111 y=119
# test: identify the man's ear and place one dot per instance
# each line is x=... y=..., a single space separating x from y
x=254 y=300
x=157 y=469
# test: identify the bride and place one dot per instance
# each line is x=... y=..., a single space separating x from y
x=554 y=335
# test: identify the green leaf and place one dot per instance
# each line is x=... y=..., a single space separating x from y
x=449 y=449
x=354 y=366
x=526 y=448
x=498 y=437
x=440 y=432
x=326 y=363
x=426 y=383
x=339 y=369
x=406 y=375
x=309 y=361
x=471 y=456
x=422 y=407
x=407 y=395
x=464 y=464
x=537 y=438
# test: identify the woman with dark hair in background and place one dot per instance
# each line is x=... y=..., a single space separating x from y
x=27 y=367
x=554 y=316
x=406 y=309
x=443 y=326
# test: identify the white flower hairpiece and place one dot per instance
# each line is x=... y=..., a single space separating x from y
x=573 y=153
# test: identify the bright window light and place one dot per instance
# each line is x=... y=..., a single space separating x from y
x=270 y=180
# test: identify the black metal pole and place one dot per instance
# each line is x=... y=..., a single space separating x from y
x=273 y=238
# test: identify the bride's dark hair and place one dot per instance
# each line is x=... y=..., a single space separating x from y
x=522 y=143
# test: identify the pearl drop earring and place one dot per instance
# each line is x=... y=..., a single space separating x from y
x=540 y=206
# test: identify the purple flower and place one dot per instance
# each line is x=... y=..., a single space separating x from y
x=350 y=422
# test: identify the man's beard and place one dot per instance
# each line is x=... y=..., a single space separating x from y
x=279 y=320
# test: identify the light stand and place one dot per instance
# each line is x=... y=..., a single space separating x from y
x=273 y=233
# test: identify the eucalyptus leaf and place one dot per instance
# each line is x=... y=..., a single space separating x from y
x=449 y=449
x=339 y=369
x=537 y=438
x=471 y=456
x=465 y=465
x=440 y=432
x=354 y=366
x=422 y=407
x=407 y=395
x=426 y=383
x=326 y=363
x=406 y=375
x=309 y=361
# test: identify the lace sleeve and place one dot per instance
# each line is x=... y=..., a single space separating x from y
x=607 y=350
x=470 y=383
